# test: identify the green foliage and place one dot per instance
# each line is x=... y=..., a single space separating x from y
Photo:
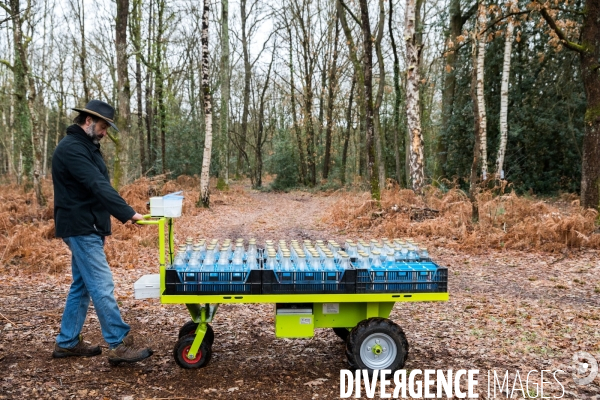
x=284 y=163
x=545 y=115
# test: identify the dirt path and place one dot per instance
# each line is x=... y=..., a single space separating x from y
x=514 y=311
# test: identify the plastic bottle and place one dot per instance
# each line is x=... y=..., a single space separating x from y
x=238 y=255
x=252 y=251
x=179 y=263
x=390 y=260
x=286 y=262
x=376 y=260
x=194 y=264
x=223 y=262
x=424 y=254
x=208 y=263
x=352 y=250
x=329 y=264
x=271 y=261
x=301 y=263
x=363 y=260
x=344 y=261
x=315 y=263
x=335 y=249
x=189 y=243
x=373 y=244
x=412 y=255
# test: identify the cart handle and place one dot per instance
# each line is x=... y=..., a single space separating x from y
x=148 y=221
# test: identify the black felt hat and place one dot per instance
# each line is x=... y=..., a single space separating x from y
x=100 y=109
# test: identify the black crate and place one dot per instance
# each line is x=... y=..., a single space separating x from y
x=203 y=283
x=278 y=282
x=411 y=282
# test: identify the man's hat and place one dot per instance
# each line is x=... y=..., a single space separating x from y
x=100 y=109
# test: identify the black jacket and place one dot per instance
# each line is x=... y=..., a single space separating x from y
x=83 y=196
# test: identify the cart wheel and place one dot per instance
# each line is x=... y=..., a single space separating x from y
x=182 y=347
x=376 y=343
x=189 y=328
x=342 y=333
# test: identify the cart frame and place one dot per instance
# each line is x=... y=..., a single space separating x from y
x=351 y=308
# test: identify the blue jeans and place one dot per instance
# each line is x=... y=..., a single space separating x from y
x=91 y=278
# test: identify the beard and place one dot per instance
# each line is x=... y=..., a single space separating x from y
x=91 y=132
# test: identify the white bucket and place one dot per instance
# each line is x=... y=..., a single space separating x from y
x=172 y=205
x=157 y=207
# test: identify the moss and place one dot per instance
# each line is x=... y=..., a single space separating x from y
x=221 y=185
x=592 y=114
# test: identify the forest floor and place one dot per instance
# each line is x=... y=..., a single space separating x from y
x=508 y=310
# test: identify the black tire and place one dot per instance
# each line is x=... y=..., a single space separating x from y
x=342 y=333
x=189 y=328
x=180 y=353
x=389 y=338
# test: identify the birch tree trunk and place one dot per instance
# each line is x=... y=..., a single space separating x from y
x=347 y=134
x=504 y=100
x=473 y=181
x=413 y=113
x=397 y=98
x=204 y=176
x=480 y=91
x=225 y=83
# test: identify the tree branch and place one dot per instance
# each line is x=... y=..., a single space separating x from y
x=351 y=14
x=561 y=35
x=7 y=64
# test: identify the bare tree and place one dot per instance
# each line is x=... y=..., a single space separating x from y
x=123 y=89
x=26 y=95
x=508 y=39
x=413 y=111
x=225 y=82
x=482 y=118
x=204 y=200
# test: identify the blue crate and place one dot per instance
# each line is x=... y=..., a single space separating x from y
x=202 y=283
x=425 y=277
x=315 y=282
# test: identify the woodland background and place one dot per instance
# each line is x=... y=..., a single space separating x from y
x=470 y=126
x=458 y=94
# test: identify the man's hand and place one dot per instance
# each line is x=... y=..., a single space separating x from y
x=137 y=217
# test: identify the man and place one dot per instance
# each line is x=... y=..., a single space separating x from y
x=84 y=200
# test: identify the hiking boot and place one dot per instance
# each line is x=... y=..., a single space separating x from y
x=79 y=350
x=128 y=352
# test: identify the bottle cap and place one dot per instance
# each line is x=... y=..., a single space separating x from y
x=189 y=239
x=375 y=253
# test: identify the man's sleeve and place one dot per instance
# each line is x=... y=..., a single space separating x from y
x=80 y=164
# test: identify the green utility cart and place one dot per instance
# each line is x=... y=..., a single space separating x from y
x=359 y=317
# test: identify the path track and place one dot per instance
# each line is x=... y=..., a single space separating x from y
x=509 y=310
